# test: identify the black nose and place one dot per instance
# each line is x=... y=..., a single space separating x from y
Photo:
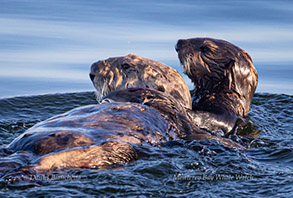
x=178 y=45
x=92 y=77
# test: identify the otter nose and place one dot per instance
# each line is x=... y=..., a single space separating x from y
x=92 y=77
x=178 y=45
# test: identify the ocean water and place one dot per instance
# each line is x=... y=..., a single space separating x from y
x=175 y=169
x=47 y=47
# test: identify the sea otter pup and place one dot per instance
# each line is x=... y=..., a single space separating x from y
x=224 y=80
x=108 y=133
x=134 y=71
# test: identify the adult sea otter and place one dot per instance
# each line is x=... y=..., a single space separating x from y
x=111 y=132
x=224 y=80
x=114 y=131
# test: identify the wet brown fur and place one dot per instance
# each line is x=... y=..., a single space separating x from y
x=224 y=80
x=108 y=133
x=157 y=111
x=135 y=71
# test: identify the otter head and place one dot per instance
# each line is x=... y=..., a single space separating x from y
x=109 y=75
x=218 y=67
x=132 y=71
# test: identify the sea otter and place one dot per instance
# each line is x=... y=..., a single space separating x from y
x=156 y=111
x=111 y=132
x=224 y=80
x=135 y=71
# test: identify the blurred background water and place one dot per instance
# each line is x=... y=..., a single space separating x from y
x=48 y=46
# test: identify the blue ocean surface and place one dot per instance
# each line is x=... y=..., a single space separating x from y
x=47 y=47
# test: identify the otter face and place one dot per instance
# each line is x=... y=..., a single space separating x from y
x=203 y=56
x=115 y=73
x=137 y=72
x=217 y=66
x=105 y=76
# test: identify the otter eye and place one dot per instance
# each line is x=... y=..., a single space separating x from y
x=204 y=49
x=125 y=66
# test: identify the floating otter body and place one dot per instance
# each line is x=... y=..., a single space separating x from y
x=113 y=131
x=224 y=80
x=109 y=133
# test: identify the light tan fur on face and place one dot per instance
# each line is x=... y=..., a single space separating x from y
x=133 y=71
